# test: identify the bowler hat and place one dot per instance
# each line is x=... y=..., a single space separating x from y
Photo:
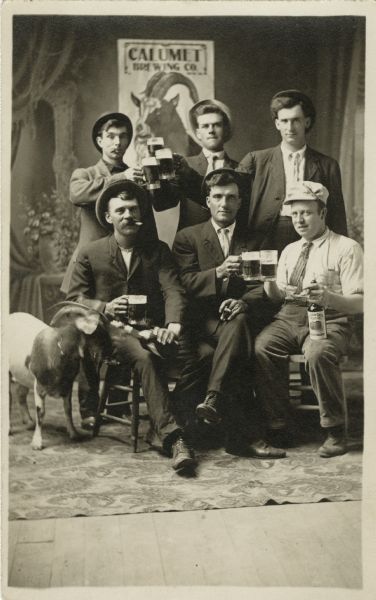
x=108 y=117
x=306 y=191
x=111 y=190
x=220 y=171
x=222 y=107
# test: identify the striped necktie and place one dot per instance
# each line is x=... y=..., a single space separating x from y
x=224 y=241
x=298 y=273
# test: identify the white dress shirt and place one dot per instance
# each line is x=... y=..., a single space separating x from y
x=127 y=256
x=335 y=260
x=230 y=229
x=291 y=175
x=219 y=159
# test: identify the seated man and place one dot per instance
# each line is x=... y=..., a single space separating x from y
x=327 y=267
x=127 y=262
x=220 y=308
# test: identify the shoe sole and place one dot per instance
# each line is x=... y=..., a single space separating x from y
x=207 y=414
x=184 y=464
x=324 y=454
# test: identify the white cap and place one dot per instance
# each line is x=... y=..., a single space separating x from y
x=306 y=190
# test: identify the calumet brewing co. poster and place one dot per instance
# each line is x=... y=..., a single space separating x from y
x=159 y=80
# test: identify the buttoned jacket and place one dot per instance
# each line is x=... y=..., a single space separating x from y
x=100 y=275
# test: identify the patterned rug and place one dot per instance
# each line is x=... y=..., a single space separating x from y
x=102 y=476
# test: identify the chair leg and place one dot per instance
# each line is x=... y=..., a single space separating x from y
x=102 y=402
x=135 y=410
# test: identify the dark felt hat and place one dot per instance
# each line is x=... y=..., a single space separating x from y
x=218 y=104
x=108 y=117
x=207 y=178
x=111 y=190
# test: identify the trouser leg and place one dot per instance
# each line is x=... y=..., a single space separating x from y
x=150 y=370
x=322 y=363
x=88 y=387
x=232 y=356
x=272 y=348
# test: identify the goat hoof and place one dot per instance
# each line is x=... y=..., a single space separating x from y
x=37 y=445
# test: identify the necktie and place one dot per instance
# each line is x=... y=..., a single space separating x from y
x=298 y=273
x=224 y=241
x=211 y=163
x=296 y=166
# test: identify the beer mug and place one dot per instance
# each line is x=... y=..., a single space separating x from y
x=137 y=309
x=250 y=269
x=154 y=144
x=151 y=172
x=269 y=261
x=166 y=163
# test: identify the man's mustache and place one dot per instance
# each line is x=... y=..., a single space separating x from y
x=132 y=222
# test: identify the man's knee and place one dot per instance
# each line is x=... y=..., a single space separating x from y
x=321 y=352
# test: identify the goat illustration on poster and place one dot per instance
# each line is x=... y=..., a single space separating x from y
x=158 y=83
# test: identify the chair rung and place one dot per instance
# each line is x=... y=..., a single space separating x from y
x=118 y=419
x=122 y=388
x=307 y=407
x=301 y=387
x=296 y=358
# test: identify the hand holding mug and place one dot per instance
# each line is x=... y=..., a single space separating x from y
x=230 y=266
x=117 y=308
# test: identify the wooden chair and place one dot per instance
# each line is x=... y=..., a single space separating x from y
x=133 y=397
x=302 y=396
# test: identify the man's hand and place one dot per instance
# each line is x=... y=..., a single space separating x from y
x=230 y=266
x=230 y=308
x=134 y=174
x=318 y=293
x=167 y=335
x=117 y=308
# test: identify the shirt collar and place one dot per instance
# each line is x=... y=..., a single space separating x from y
x=207 y=153
x=318 y=241
x=286 y=152
x=229 y=227
x=115 y=168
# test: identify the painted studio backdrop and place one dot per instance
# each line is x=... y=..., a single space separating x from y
x=67 y=70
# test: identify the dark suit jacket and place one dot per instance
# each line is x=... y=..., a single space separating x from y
x=198 y=252
x=86 y=184
x=265 y=178
x=190 y=175
x=100 y=275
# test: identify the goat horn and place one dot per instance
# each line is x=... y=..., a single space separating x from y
x=169 y=79
x=152 y=82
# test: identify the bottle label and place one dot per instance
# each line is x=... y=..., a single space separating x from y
x=317 y=325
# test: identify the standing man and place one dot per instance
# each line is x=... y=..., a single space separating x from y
x=125 y=262
x=272 y=171
x=325 y=268
x=112 y=133
x=222 y=312
x=212 y=123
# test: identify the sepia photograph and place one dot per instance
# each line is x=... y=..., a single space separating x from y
x=186 y=370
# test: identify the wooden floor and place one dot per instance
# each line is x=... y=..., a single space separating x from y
x=289 y=545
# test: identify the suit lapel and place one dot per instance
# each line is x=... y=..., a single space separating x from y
x=238 y=243
x=211 y=242
x=135 y=262
x=116 y=257
x=311 y=165
x=275 y=181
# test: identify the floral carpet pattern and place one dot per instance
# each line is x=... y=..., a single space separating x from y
x=102 y=476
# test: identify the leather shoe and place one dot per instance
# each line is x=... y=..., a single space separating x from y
x=208 y=409
x=258 y=449
x=335 y=443
x=182 y=456
x=88 y=423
